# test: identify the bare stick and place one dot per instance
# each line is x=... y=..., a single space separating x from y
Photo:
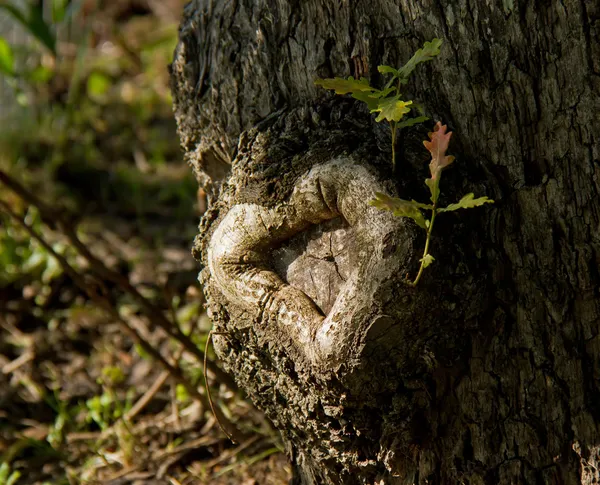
x=143 y=401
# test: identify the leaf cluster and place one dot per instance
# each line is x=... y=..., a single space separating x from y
x=437 y=145
x=390 y=106
x=387 y=102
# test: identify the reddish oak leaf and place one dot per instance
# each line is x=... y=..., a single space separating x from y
x=437 y=147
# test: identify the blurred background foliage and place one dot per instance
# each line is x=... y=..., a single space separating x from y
x=89 y=158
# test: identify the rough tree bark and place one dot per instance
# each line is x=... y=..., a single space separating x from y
x=488 y=372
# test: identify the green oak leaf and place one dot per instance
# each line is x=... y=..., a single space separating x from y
x=412 y=121
x=400 y=207
x=427 y=260
x=371 y=98
x=426 y=53
x=420 y=205
x=367 y=98
x=391 y=109
x=434 y=188
x=345 y=86
x=467 y=202
x=388 y=70
x=383 y=93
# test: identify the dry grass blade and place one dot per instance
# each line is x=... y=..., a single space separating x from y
x=190 y=445
x=151 y=392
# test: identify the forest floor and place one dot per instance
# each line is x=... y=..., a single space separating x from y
x=82 y=398
x=70 y=378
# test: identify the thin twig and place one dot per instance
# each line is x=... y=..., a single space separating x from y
x=122 y=473
x=231 y=453
x=210 y=401
x=204 y=441
x=101 y=301
x=162 y=378
x=143 y=401
x=12 y=366
x=84 y=436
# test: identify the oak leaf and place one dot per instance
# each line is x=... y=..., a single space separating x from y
x=437 y=146
x=426 y=53
x=391 y=109
x=345 y=86
x=401 y=207
x=467 y=202
x=427 y=260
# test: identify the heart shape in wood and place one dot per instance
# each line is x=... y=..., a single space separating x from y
x=254 y=246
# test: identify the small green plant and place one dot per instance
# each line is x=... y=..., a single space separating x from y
x=20 y=255
x=107 y=408
x=390 y=106
x=108 y=411
x=65 y=418
x=437 y=146
x=388 y=101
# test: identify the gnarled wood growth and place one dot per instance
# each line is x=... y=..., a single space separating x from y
x=488 y=372
x=239 y=260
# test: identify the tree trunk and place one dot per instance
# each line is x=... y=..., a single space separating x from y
x=486 y=372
